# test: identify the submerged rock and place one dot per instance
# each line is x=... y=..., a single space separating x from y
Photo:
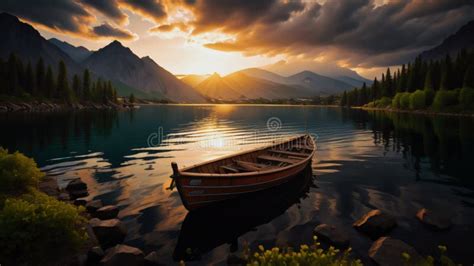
x=331 y=235
x=94 y=205
x=108 y=232
x=152 y=259
x=375 y=224
x=80 y=202
x=95 y=255
x=49 y=186
x=74 y=194
x=107 y=212
x=123 y=255
x=433 y=221
x=76 y=184
x=387 y=251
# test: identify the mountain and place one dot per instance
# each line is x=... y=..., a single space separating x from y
x=27 y=43
x=462 y=39
x=238 y=85
x=119 y=63
x=354 y=82
x=328 y=69
x=319 y=83
x=264 y=74
x=77 y=53
x=193 y=80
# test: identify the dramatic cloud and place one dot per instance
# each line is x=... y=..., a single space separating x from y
x=357 y=32
x=62 y=15
x=106 y=30
x=107 y=7
x=151 y=9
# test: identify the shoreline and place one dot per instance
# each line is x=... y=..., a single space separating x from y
x=416 y=112
x=44 y=106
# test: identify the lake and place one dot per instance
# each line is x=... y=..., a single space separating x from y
x=394 y=162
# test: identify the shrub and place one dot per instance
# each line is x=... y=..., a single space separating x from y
x=429 y=96
x=383 y=102
x=396 y=100
x=36 y=229
x=17 y=172
x=417 y=100
x=405 y=100
x=306 y=255
x=445 y=98
x=466 y=98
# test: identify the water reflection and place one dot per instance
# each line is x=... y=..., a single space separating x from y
x=364 y=160
x=206 y=229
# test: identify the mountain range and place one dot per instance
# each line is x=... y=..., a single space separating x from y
x=462 y=39
x=147 y=79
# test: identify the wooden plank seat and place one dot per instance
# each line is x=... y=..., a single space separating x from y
x=302 y=147
x=277 y=159
x=299 y=154
x=252 y=166
x=230 y=169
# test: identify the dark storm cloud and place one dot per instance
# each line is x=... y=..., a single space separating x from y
x=106 y=30
x=232 y=15
x=152 y=9
x=107 y=7
x=63 y=15
x=358 y=30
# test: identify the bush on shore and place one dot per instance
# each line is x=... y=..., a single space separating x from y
x=445 y=98
x=466 y=98
x=417 y=100
x=405 y=100
x=17 y=172
x=35 y=229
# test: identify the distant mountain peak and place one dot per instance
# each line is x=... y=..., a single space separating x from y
x=215 y=75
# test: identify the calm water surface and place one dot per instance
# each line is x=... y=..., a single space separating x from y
x=365 y=160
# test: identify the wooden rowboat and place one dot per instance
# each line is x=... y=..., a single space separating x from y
x=247 y=172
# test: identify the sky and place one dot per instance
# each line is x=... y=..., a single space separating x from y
x=206 y=36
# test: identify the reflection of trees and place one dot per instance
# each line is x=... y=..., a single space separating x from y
x=30 y=131
x=445 y=141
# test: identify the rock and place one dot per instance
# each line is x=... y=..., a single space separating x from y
x=123 y=255
x=152 y=259
x=107 y=212
x=76 y=184
x=433 y=221
x=375 y=224
x=108 y=232
x=331 y=235
x=49 y=186
x=95 y=255
x=63 y=196
x=234 y=259
x=94 y=205
x=387 y=251
x=80 y=202
x=74 y=194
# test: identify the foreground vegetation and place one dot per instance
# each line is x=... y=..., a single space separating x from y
x=444 y=85
x=25 y=81
x=35 y=229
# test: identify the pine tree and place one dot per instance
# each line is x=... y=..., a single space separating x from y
x=12 y=75
x=76 y=87
x=402 y=83
x=375 y=90
x=469 y=77
x=30 y=84
x=50 y=87
x=131 y=99
x=428 y=81
x=40 y=77
x=62 y=85
x=86 y=86
x=388 y=84
x=20 y=70
x=344 y=99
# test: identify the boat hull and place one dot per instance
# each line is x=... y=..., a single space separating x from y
x=197 y=192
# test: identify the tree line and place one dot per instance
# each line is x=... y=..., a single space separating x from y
x=39 y=81
x=420 y=84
